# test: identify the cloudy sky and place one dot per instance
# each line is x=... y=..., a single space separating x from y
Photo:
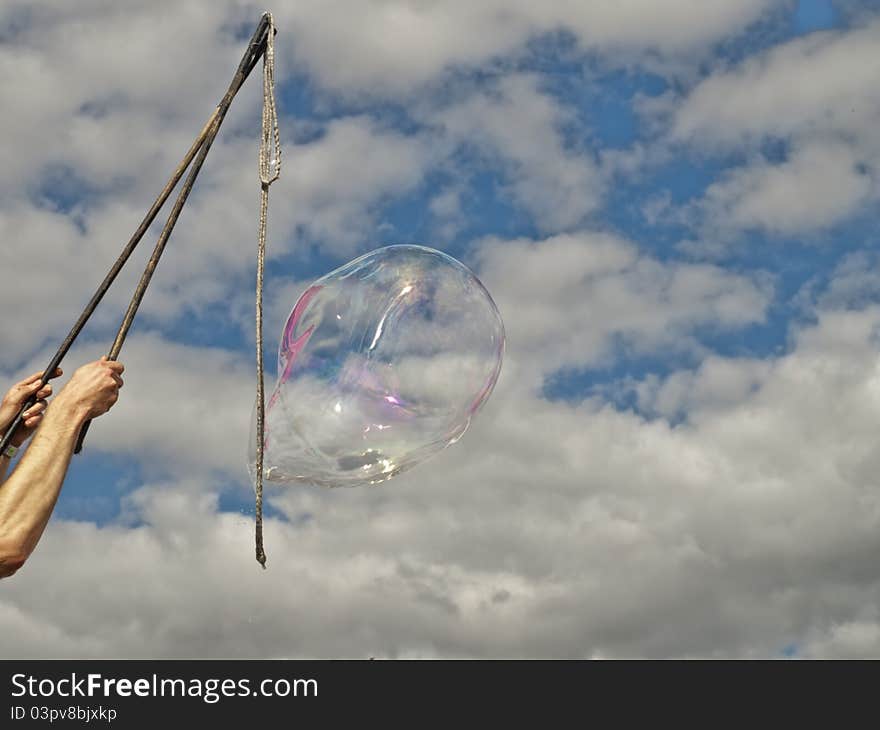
x=673 y=206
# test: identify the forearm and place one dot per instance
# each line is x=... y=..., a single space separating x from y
x=28 y=496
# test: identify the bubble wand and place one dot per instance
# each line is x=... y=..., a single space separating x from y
x=195 y=156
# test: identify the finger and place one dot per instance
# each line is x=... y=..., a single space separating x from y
x=33 y=421
x=116 y=379
x=21 y=392
x=45 y=391
x=37 y=377
x=33 y=391
x=26 y=387
x=30 y=379
x=36 y=409
x=116 y=366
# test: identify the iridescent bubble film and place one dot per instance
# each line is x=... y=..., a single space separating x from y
x=382 y=364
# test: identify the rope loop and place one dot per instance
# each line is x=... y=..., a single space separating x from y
x=270 y=143
x=270 y=170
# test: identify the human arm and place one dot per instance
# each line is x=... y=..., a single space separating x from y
x=18 y=394
x=28 y=496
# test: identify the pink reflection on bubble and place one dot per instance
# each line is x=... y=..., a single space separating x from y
x=291 y=347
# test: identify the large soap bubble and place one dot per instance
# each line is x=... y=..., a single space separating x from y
x=382 y=364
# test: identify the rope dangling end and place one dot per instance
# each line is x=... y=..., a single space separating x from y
x=260 y=551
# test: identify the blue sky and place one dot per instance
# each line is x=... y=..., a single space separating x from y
x=673 y=205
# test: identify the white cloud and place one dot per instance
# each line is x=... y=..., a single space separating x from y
x=567 y=300
x=819 y=97
x=824 y=81
x=550 y=530
x=717 y=382
x=855 y=282
x=111 y=133
x=819 y=185
x=181 y=405
x=336 y=183
x=395 y=46
x=517 y=123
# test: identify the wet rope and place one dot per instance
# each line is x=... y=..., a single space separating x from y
x=270 y=169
